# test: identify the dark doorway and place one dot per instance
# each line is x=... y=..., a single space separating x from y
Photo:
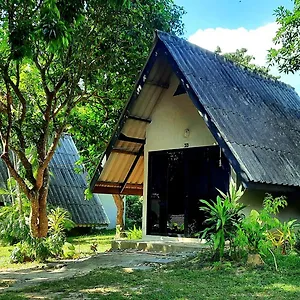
x=177 y=180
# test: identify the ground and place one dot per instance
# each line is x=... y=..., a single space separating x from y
x=142 y=275
x=181 y=280
x=82 y=245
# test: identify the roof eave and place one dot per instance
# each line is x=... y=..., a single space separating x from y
x=136 y=91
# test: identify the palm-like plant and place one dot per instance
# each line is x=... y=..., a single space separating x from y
x=223 y=218
x=59 y=221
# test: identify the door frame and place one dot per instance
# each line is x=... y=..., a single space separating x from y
x=151 y=154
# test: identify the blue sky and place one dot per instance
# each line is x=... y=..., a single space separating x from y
x=233 y=24
x=229 y=13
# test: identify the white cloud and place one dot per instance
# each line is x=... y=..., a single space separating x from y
x=258 y=41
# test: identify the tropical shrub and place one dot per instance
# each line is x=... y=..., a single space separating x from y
x=54 y=245
x=223 y=218
x=263 y=231
x=68 y=250
x=135 y=233
x=14 y=223
x=133 y=211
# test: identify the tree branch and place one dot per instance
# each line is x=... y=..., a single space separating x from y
x=26 y=164
x=47 y=159
x=43 y=75
x=15 y=174
x=18 y=94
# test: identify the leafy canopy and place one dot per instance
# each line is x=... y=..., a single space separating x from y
x=129 y=34
x=242 y=58
x=287 y=53
x=62 y=62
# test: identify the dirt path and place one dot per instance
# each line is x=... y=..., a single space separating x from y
x=14 y=280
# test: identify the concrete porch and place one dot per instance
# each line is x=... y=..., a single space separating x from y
x=158 y=246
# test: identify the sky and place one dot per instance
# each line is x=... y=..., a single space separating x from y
x=235 y=24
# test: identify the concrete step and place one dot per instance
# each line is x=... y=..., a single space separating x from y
x=157 y=246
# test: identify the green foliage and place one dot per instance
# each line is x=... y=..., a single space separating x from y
x=68 y=250
x=125 y=39
x=297 y=241
x=30 y=249
x=286 y=55
x=13 y=223
x=223 y=217
x=135 y=233
x=133 y=211
x=242 y=58
x=261 y=230
x=59 y=221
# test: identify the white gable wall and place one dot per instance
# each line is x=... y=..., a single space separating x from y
x=171 y=117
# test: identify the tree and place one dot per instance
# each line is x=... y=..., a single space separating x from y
x=132 y=33
x=287 y=55
x=53 y=56
x=241 y=57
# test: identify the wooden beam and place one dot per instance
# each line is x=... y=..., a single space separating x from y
x=132 y=168
x=136 y=118
x=118 y=185
x=116 y=190
x=123 y=151
x=125 y=138
x=158 y=84
x=180 y=90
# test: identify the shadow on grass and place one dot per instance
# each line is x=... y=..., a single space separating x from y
x=172 y=282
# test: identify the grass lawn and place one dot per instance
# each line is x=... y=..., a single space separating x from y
x=179 y=281
x=82 y=245
x=5 y=260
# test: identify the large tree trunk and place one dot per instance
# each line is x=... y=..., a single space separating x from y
x=120 y=212
x=38 y=214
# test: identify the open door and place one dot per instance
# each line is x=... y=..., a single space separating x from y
x=177 y=180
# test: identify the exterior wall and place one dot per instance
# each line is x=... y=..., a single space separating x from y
x=110 y=208
x=254 y=200
x=171 y=117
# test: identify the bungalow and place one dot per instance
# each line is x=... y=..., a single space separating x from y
x=66 y=188
x=194 y=121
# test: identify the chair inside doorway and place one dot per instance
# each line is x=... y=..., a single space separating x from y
x=177 y=180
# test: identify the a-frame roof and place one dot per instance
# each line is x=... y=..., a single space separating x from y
x=66 y=188
x=255 y=120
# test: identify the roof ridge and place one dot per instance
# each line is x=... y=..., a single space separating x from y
x=250 y=72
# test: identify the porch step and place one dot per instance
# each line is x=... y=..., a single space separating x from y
x=157 y=246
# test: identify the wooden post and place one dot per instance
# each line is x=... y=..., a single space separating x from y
x=120 y=212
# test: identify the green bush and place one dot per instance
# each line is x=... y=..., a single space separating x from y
x=263 y=231
x=133 y=211
x=223 y=218
x=68 y=250
x=135 y=234
x=41 y=249
x=14 y=225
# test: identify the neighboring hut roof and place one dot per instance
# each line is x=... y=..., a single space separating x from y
x=67 y=187
x=255 y=120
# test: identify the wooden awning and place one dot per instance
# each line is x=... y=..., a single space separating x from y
x=121 y=168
